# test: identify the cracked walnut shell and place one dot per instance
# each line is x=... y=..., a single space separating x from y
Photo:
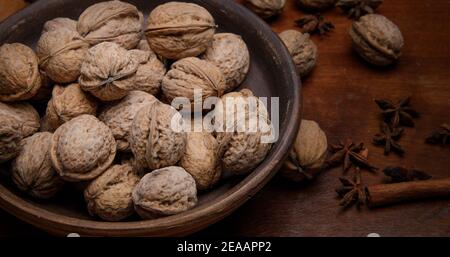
x=302 y=49
x=230 y=54
x=82 y=148
x=32 y=169
x=176 y=30
x=19 y=74
x=316 y=5
x=266 y=8
x=164 y=192
x=111 y=21
x=109 y=195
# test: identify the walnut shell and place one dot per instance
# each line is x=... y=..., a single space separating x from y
x=19 y=74
x=201 y=159
x=190 y=74
x=150 y=72
x=230 y=54
x=119 y=116
x=61 y=52
x=82 y=148
x=109 y=195
x=67 y=103
x=266 y=8
x=377 y=39
x=10 y=137
x=302 y=49
x=59 y=23
x=24 y=114
x=153 y=141
x=316 y=5
x=164 y=192
x=177 y=30
x=32 y=169
x=310 y=150
x=111 y=21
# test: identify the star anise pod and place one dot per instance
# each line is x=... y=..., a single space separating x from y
x=401 y=174
x=398 y=114
x=349 y=154
x=314 y=24
x=358 y=8
x=440 y=136
x=389 y=137
x=351 y=191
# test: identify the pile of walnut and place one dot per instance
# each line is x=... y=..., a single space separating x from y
x=107 y=122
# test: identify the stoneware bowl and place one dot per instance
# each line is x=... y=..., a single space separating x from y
x=272 y=74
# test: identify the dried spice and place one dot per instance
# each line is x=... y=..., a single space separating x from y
x=302 y=49
x=388 y=138
x=315 y=24
x=440 y=136
x=358 y=8
x=352 y=191
x=349 y=154
x=398 y=114
x=401 y=174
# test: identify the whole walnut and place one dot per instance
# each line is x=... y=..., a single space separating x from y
x=377 y=39
x=119 y=116
x=67 y=102
x=316 y=5
x=302 y=49
x=24 y=114
x=266 y=8
x=109 y=195
x=61 y=52
x=230 y=54
x=150 y=72
x=82 y=148
x=19 y=74
x=111 y=21
x=164 y=192
x=201 y=159
x=153 y=141
x=59 y=23
x=309 y=153
x=44 y=93
x=190 y=74
x=32 y=169
x=177 y=30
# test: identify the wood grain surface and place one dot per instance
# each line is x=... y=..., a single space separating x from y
x=339 y=95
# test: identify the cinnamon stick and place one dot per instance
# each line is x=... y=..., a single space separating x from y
x=385 y=194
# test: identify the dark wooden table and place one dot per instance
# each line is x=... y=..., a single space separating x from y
x=339 y=95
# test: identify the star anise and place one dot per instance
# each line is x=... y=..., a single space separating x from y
x=440 y=136
x=401 y=174
x=351 y=191
x=314 y=24
x=349 y=154
x=358 y=8
x=389 y=137
x=398 y=114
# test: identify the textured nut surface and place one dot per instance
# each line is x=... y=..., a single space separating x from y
x=19 y=74
x=164 y=192
x=32 y=169
x=310 y=150
x=150 y=72
x=316 y=5
x=177 y=30
x=119 y=116
x=266 y=8
x=60 y=23
x=201 y=159
x=67 y=103
x=24 y=114
x=111 y=21
x=377 y=39
x=190 y=74
x=153 y=141
x=10 y=137
x=82 y=148
x=302 y=49
x=230 y=54
x=109 y=195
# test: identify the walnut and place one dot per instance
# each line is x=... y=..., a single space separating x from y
x=59 y=23
x=377 y=39
x=153 y=141
x=19 y=74
x=10 y=137
x=164 y=192
x=109 y=195
x=201 y=159
x=177 y=30
x=61 y=51
x=316 y=5
x=111 y=21
x=309 y=153
x=144 y=46
x=230 y=54
x=302 y=49
x=82 y=148
x=266 y=8
x=119 y=116
x=44 y=93
x=67 y=103
x=32 y=170
x=191 y=74
x=24 y=114
x=150 y=72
